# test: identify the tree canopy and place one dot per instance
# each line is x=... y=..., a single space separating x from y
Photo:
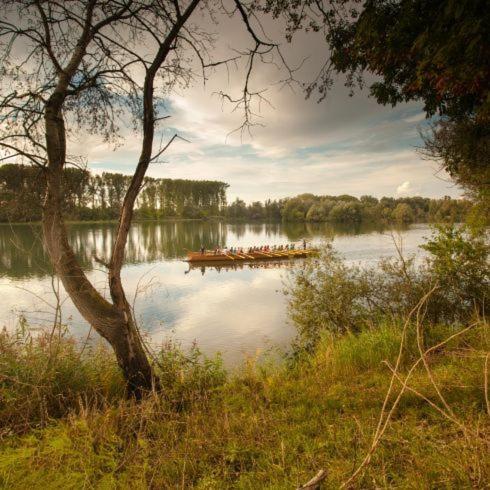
x=436 y=52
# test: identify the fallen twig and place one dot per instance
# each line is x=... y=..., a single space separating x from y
x=315 y=482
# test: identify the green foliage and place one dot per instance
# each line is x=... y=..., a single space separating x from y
x=350 y=210
x=459 y=262
x=434 y=51
x=346 y=212
x=325 y=295
x=403 y=213
x=463 y=147
x=296 y=208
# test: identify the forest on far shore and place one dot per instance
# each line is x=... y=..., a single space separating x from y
x=91 y=197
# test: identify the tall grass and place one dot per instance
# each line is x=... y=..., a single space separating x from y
x=48 y=376
x=265 y=427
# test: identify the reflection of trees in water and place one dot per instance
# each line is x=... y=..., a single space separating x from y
x=260 y=229
x=297 y=231
x=148 y=242
x=22 y=254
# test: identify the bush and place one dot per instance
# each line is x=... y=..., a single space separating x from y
x=327 y=295
x=458 y=261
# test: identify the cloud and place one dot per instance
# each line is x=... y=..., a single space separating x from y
x=342 y=145
x=406 y=189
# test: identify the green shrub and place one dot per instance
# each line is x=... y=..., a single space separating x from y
x=458 y=261
x=326 y=295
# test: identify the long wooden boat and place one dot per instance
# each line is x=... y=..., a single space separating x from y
x=210 y=256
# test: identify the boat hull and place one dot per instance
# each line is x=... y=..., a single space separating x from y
x=248 y=257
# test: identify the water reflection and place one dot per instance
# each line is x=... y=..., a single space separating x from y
x=22 y=254
x=237 y=266
x=234 y=308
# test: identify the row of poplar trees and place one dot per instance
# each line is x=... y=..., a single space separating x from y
x=92 y=197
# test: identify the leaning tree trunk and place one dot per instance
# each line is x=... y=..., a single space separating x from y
x=114 y=322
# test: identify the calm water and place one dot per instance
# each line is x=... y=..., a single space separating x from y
x=237 y=312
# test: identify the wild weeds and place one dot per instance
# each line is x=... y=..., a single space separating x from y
x=45 y=376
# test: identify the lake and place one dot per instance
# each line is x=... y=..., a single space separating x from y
x=236 y=311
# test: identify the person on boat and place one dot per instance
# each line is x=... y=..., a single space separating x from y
x=202 y=250
x=304 y=244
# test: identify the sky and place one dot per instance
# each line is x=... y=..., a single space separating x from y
x=343 y=145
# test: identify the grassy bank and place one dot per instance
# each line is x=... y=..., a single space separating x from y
x=65 y=424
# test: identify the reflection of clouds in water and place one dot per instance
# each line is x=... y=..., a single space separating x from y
x=234 y=313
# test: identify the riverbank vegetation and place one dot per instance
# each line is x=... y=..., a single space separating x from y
x=351 y=210
x=89 y=197
x=387 y=382
x=65 y=423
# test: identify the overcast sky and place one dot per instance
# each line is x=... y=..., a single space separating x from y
x=343 y=145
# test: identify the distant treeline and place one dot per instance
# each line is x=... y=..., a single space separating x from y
x=89 y=197
x=350 y=209
x=99 y=197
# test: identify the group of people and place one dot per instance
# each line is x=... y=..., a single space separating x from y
x=262 y=248
x=268 y=248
